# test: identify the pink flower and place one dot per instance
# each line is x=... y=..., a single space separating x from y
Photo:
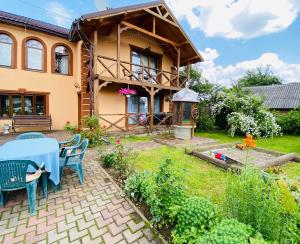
x=118 y=141
x=126 y=91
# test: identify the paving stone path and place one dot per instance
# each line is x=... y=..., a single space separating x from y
x=95 y=212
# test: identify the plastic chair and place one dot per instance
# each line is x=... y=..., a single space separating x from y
x=72 y=142
x=74 y=161
x=30 y=135
x=14 y=176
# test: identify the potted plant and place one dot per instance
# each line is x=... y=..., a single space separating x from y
x=127 y=92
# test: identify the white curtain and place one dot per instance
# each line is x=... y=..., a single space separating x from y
x=5 y=54
x=34 y=58
x=64 y=65
x=133 y=107
x=156 y=104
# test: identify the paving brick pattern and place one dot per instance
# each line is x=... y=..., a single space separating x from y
x=94 y=212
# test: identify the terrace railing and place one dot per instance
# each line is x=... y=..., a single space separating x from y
x=131 y=121
x=110 y=67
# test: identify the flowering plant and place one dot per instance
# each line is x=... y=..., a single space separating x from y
x=126 y=91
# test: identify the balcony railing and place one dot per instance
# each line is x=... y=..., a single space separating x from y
x=129 y=121
x=109 y=67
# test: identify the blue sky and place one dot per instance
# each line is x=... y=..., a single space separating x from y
x=233 y=35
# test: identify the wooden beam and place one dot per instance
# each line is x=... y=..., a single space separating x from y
x=118 y=50
x=189 y=59
x=153 y=25
x=188 y=70
x=166 y=15
x=149 y=33
x=183 y=43
x=161 y=17
x=96 y=81
x=158 y=10
x=178 y=65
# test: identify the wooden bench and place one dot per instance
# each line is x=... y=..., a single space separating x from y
x=31 y=121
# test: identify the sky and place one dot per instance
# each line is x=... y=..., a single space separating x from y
x=233 y=36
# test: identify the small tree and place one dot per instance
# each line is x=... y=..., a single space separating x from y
x=259 y=77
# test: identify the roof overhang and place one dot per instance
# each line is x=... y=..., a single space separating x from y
x=142 y=18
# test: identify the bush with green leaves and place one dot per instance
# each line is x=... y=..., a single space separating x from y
x=108 y=160
x=195 y=216
x=94 y=136
x=230 y=231
x=242 y=113
x=92 y=122
x=255 y=202
x=290 y=122
x=133 y=184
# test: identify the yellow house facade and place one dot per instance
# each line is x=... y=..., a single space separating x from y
x=70 y=74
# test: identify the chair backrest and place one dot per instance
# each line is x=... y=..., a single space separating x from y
x=84 y=145
x=30 y=135
x=76 y=139
x=13 y=173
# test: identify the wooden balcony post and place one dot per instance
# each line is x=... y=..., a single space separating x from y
x=151 y=108
x=178 y=66
x=95 y=82
x=118 y=49
x=188 y=71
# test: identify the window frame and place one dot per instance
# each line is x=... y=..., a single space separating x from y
x=10 y=94
x=70 y=59
x=25 y=54
x=13 y=51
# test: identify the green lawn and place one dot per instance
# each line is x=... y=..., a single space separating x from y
x=201 y=178
x=285 y=144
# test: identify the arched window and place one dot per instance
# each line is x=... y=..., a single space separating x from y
x=7 y=50
x=61 y=59
x=35 y=57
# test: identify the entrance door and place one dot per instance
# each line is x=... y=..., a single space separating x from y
x=138 y=109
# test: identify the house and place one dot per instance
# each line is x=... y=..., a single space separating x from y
x=70 y=74
x=282 y=98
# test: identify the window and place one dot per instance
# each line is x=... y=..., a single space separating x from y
x=137 y=105
x=7 y=46
x=34 y=55
x=17 y=104
x=150 y=63
x=62 y=57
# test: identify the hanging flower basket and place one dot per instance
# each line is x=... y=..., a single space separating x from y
x=127 y=92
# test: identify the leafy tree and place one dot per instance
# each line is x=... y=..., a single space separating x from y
x=259 y=77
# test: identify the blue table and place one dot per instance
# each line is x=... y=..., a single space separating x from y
x=43 y=150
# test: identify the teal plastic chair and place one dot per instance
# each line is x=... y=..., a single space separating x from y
x=74 y=160
x=30 y=135
x=64 y=146
x=14 y=176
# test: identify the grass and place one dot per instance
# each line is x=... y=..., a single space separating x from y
x=132 y=139
x=201 y=178
x=284 y=144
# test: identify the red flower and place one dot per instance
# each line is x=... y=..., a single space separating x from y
x=68 y=122
x=78 y=129
x=118 y=141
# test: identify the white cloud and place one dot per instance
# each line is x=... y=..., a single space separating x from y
x=60 y=14
x=237 y=19
x=101 y=4
x=228 y=75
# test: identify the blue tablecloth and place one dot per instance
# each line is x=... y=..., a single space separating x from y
x=44 y=150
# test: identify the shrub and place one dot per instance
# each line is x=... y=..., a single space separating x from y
x=125 y=160
x=133 y=185
x=240 y=123
x=92 y=122
x=196 y=216
x=109 y=159
x=71 y=128
x=94 y=136
x=290 y=122
x=252 y=201
x=228 y=231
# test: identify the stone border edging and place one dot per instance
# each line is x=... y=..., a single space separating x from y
x=133 y=206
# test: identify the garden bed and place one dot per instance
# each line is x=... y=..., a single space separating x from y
x=235 y=158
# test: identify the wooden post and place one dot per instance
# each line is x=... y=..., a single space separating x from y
x=118 y=50
x=188 y=70
x=95 y=82
x=178 y=65
x=153 y=25
x=151 y=108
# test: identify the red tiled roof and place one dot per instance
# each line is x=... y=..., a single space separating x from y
x=33 y=24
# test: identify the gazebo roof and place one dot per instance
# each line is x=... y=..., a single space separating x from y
x=186 y=95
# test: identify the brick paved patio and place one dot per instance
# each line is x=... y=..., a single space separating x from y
x=94 y=212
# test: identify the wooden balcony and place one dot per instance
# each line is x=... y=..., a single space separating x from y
x=110 y=69
x=129 y=122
